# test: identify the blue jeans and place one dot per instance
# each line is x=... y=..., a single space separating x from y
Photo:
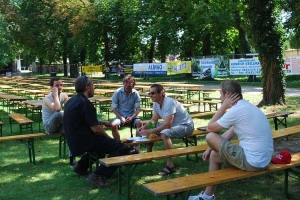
x=55 y=123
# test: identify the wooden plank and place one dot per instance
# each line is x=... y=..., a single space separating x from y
x=196 y=181
x=286 y=132
x=22 y=137
x=21 y=119
x=279 y=114
x=130 y=159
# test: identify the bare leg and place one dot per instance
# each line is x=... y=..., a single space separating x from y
x=115 y=131
x=214 y=142
x=168 y=145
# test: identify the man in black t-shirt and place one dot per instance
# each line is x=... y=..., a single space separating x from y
x=84 y=134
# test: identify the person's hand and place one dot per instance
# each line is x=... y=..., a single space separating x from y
x=54 y=91
x=128 y=120
x=123 y=120
x=144 y=132
x=231 y=100
x=206 y=155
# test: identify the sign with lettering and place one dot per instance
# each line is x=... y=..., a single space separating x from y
x=292 y=65
x=150 y=69
x=97 y=68
x=244 y=67
x=179 y=67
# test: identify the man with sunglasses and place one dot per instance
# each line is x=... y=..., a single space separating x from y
x=126 y=106
x=84 y=134
x=177 y=122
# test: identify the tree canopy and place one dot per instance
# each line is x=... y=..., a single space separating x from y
x=97 y=31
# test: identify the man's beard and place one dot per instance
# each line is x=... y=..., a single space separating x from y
x=91 y=94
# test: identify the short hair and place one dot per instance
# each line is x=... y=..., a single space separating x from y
x=232 y=87
x=129 y=77
x=53 y=79
x=158 y=87
x=81 y=82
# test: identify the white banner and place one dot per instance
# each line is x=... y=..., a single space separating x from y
x=245 y=67
x=292 y=65
x=150 y=69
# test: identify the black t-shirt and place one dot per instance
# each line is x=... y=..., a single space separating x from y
x=79 y=116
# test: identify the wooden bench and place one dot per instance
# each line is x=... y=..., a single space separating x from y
x=147 y=111
x=279 y=118
x=211 y=103
x=183 y=185
x=127 y=164
x=24 y=122
x=28 y=140
x=62 y=143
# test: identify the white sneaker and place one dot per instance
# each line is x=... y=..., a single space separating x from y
x=200 y=197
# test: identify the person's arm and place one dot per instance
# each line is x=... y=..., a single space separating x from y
x=53 y=105
x=213 y=126
x=66 y=97
x=99 y=131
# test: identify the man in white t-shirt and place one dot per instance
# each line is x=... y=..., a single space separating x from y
x=249 y=124
x=177 y=122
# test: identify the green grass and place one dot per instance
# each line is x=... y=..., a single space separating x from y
x=52 y=177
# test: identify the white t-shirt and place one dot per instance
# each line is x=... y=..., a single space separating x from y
x=172 y=107
x=253 y=131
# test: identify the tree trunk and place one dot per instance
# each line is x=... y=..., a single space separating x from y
x=267 y=37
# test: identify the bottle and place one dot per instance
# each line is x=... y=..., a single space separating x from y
x=152 y=125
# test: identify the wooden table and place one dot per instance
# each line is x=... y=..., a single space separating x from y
x=11 y=100
x=36 y=108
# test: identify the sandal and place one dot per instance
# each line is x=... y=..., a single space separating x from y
x=166 y=171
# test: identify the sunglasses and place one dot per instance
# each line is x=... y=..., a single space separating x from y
x=151 y=93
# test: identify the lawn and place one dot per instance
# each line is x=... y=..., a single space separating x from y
x=52 y=177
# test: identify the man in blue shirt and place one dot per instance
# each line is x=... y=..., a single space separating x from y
x=126 y=106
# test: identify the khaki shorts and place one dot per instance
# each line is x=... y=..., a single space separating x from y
x=233 y=156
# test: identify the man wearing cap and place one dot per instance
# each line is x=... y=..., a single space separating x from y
x=249 y=124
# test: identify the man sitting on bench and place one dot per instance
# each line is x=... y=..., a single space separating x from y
x=126 y=106
x=177 y=122
x=245 y=121
x=84 y=134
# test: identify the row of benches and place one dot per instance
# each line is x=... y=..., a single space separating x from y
x=279 y=118
x=127 y=164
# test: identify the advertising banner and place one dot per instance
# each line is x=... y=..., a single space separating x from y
x=96 y=68
x=150 y=69
x=179 y=67
x=292 y=65
x=205 y=68
x=244 y=67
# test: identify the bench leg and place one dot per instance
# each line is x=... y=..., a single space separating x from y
x=193 y=142
x=93 y=158
x=62 y=141
x=127 y=174
x=296 y=174
x=278 y=121
x=31 y=152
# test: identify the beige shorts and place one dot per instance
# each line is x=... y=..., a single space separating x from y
x=233 y=156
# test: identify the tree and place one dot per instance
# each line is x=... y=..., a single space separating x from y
x=266 y=33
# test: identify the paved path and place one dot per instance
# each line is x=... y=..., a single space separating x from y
x=293 y=92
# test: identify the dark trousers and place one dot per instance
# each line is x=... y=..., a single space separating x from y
x=103 y=146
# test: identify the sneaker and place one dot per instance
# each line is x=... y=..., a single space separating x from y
x=200 y=197
x=80 y=170
x=133 y=150
x=97 y=180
